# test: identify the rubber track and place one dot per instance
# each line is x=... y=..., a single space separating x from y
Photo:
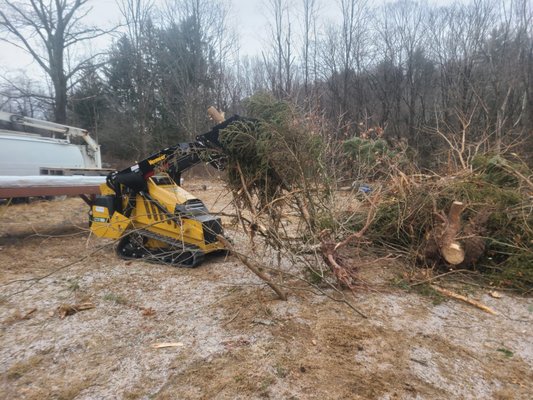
x=178 y=245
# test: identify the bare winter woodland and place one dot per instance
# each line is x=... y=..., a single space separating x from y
x=383 y=189
x=420 y=75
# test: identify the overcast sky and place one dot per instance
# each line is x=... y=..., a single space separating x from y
x=250 y=18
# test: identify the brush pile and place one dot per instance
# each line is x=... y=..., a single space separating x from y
x=481 y=220
x=281 y=164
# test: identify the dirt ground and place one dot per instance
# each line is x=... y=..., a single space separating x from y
x=235 y=339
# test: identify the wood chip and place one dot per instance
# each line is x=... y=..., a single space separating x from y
x=27 y=315
x=495 y=294
x=148 y=312
x=65 y=310
x=168 y=344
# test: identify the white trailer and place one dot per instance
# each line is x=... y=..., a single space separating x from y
x=26 y=154
x=27 y=159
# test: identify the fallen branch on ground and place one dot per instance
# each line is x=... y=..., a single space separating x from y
x=165 y=345
x=246 y=261
x=329 y=249
x=457 y=296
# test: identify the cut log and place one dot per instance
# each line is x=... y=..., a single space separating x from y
x=449 y=247
x=453 y=253
x=215 y=115
x=459 y=245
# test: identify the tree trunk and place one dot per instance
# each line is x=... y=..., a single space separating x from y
x=450 y=248
x=60 y=100
x=59 y=81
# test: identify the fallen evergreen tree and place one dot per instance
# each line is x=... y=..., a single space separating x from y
x=282 y=162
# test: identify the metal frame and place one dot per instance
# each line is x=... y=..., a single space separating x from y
x=33 y=191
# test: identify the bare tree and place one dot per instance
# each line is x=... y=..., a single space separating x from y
x=407 y=24
x=48 y=30
x=24 y=96
x=282 y=79
x=310 y=9
x=343 y=58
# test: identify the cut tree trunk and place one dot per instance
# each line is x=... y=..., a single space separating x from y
x=450 y=248
x=215 y=115
x=442 y=241
x=451 y=242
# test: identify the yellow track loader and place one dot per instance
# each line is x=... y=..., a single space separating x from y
x=151 y=216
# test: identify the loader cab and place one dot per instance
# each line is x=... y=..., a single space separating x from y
x=163 y=180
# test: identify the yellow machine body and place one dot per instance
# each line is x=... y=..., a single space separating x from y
x=104 y=225
x=166 y=215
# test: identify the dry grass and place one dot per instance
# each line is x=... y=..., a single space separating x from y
x=239 y=341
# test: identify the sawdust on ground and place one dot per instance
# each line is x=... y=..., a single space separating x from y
x=234 y=339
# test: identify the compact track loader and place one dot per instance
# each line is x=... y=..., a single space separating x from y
x=151 y=216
